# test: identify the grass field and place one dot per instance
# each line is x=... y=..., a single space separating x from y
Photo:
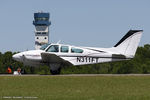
x=75 y=87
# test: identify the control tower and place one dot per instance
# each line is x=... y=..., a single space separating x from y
x=41 y=23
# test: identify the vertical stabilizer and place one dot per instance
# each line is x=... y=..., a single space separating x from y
x=129 y=43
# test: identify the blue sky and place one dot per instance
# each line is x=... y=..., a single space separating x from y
x=98 y=23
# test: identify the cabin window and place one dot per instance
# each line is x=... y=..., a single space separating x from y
x=76 y=50
x=53 y=48
x=64 y=49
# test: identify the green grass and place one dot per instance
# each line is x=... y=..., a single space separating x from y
x=76 y=87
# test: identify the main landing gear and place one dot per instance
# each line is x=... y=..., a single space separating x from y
x=55 y=69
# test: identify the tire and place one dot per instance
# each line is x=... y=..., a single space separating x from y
x=55 y=72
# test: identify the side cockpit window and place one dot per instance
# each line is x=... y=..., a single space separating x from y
x=53 y=48
x=76 y=50
x=64 y=49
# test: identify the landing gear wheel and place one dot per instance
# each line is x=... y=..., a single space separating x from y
x=55 y=72
x=55 y=69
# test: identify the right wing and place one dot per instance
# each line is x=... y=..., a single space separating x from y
x=53 y=58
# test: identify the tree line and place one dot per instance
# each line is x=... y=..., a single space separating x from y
x=140 y=64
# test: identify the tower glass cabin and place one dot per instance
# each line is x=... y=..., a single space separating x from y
x=41 y=23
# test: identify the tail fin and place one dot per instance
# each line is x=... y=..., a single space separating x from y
x=129 y=43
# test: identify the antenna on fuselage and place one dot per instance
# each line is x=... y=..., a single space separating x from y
x=58 y=42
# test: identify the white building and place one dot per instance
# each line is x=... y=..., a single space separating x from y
x=41 y=22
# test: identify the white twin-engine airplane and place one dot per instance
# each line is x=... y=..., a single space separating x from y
x=58 y=55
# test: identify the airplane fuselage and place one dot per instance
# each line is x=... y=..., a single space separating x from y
x=86 y=56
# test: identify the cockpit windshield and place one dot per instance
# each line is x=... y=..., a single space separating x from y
x=43 y=47
x=53 y=48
